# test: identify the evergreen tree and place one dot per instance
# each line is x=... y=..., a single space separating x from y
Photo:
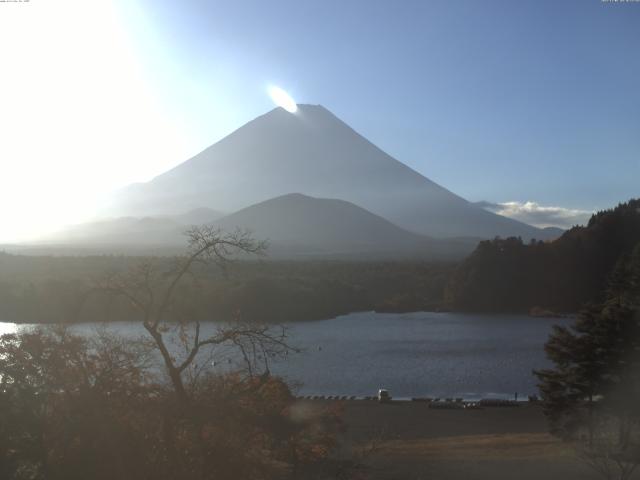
x=561 y=276
x=592 y=394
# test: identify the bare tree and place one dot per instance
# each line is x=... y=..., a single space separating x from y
x=612 y=447
x=154 y=293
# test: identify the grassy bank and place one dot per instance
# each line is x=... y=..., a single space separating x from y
x=407 y=440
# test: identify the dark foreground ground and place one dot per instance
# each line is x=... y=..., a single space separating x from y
x=406 y=440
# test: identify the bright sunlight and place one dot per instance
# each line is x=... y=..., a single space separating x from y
x=283 y=99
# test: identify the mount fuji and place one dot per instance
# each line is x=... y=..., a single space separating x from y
x=314 y=153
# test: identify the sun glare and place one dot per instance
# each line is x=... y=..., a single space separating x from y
x=76 y=114
x=283 y=99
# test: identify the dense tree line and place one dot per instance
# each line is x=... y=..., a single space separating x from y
x=52 y=289
x=511 y=275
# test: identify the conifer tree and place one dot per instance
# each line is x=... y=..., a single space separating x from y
x=592 y=394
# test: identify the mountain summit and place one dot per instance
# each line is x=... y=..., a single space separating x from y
x=315 y=153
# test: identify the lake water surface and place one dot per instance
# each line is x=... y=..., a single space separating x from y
x=412 y=354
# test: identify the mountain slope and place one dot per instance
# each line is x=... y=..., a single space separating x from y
x=315 y=153
x=130 y=231
x=297 y=224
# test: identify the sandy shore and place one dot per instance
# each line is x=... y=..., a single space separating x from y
x=413 y=442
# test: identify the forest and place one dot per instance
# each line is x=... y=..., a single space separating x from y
x=51 y=289
x=501 y=275
x=509 y=275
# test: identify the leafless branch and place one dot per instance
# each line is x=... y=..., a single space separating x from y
x=153 y=294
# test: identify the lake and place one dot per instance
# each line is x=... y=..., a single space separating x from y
x=411 y=354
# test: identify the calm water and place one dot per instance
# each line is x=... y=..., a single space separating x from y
x=415 y=354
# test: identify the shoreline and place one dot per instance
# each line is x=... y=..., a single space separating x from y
x=435 y=354
x=550 y=316
x=497 y=400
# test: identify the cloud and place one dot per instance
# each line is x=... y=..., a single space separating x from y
x=538 y=215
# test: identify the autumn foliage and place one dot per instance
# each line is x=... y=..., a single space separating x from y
x=76 y=407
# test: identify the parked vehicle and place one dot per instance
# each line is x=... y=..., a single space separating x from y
x=383 y=396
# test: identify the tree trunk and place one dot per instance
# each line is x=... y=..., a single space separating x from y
x=172 y=370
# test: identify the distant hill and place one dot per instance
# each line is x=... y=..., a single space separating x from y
x=553 y=232
x=296 y=226
x=123 y=230
x=197 y=216
x=132 y=231
x=510 y=275
x=299 y=225
x=315 y=153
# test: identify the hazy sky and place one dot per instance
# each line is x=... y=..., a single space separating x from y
x=519 y=103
